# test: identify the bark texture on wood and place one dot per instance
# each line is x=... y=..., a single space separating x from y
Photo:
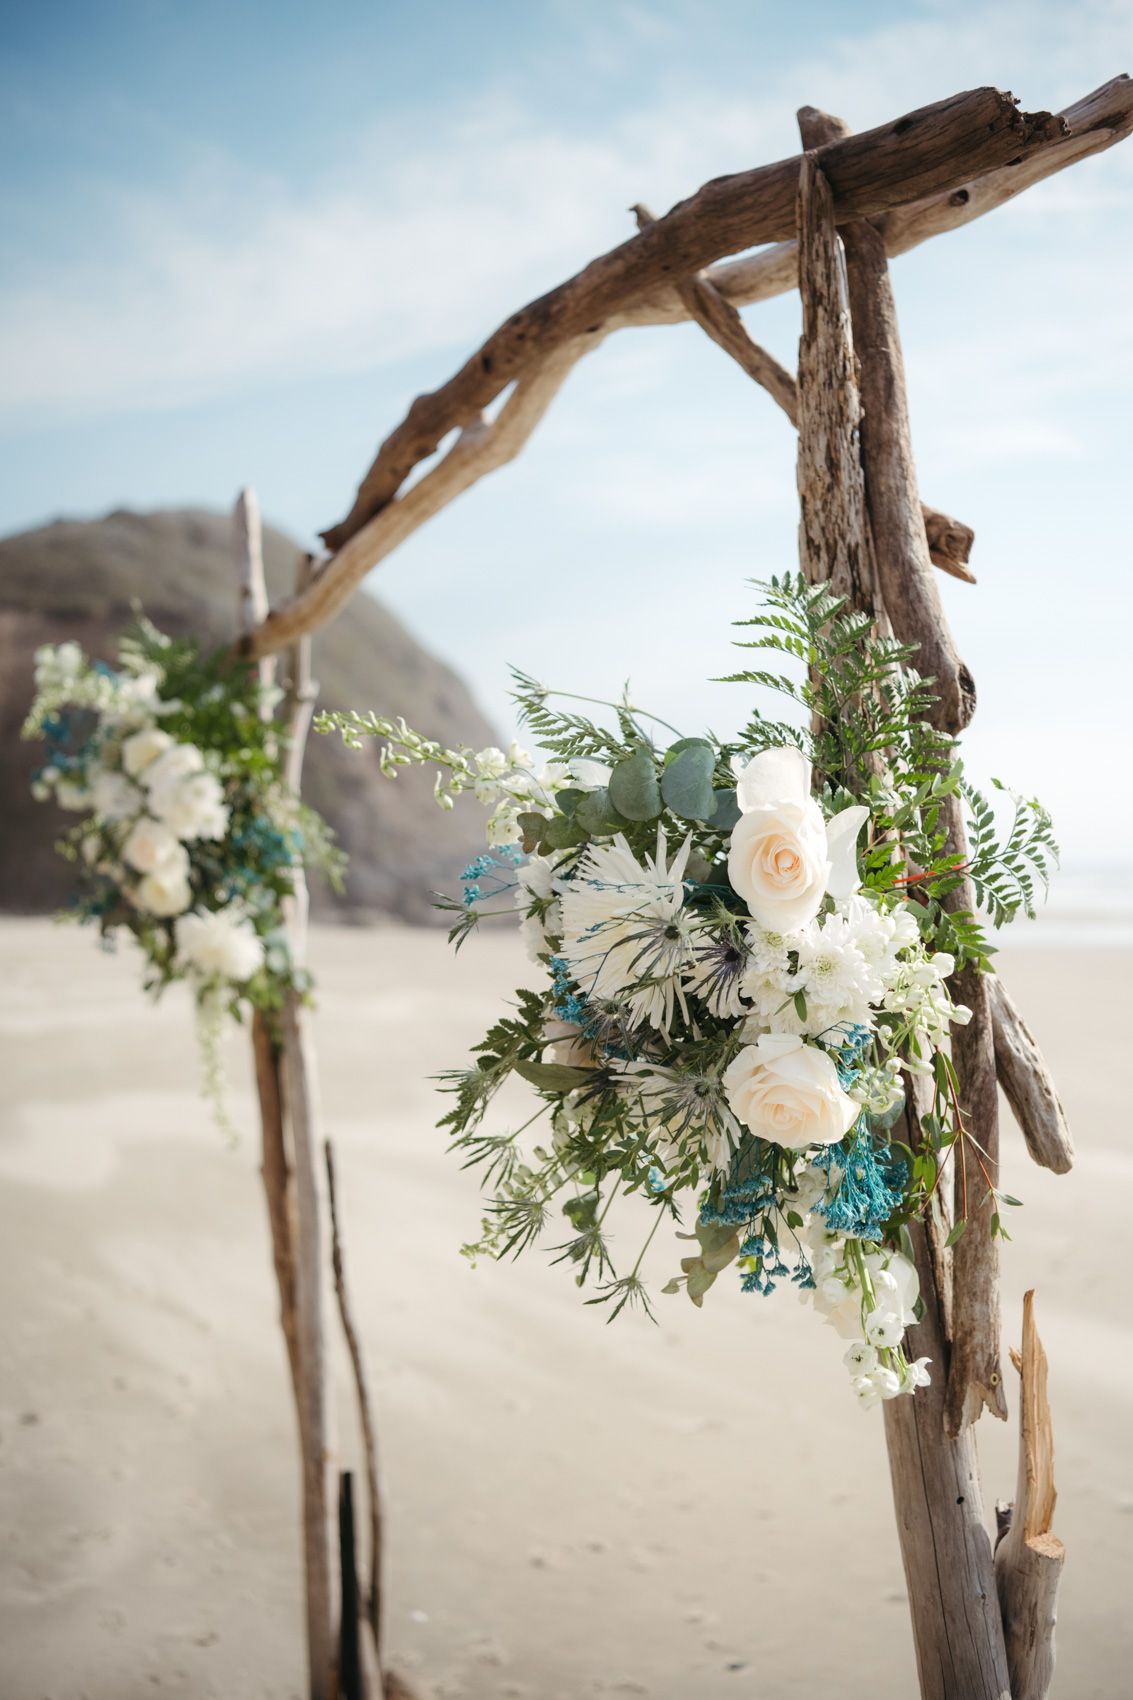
x=945 y=1546
x=975 y=1376
x=275 y=1171
x=833 y=531
x=933 y=150
x=904 y=569
x=1029 y=1557
x=1027 y=1084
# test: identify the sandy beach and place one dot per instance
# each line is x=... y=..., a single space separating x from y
x=689 y=1511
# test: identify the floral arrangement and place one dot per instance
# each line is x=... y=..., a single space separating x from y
x=746 y=952
x=188 y=839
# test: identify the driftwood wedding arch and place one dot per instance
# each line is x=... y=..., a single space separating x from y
x=829 y=221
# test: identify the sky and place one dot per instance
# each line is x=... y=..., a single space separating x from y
x=239 y=238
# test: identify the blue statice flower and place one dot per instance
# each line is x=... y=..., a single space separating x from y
x=871 y=1184
x=481 y=878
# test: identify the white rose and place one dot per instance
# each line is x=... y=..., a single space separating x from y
x=176 y=761
x=221 y=943
x=191 y=807
x=113 y=797
x=71 y=796
x=164 y=892
x=788 y=1093
x=151 y=846
x=783 y=857
x=143 y=748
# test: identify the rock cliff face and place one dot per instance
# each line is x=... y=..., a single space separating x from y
x=77 y=579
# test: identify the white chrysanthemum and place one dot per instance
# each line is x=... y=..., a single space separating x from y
x=542 y=919
x=220 y=944
x=192 y=806
x=624 y=935
x=838 y=983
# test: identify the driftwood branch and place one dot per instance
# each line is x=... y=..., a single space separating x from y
x=365 y=1414
x=936 y=149
x=904 y=570
x=275 y=1171
x=1088 y=127
x=248 y=539
x=1029 y=1558
x=481 y=448
x=1027 y=1084
x=834 y=541
x=1093 y=124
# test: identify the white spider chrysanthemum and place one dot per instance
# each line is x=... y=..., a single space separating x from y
x=624 y=934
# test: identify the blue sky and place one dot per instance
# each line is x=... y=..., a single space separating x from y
x=238 y=239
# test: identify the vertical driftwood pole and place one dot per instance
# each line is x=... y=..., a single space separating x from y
x=312 y=1243
x=945 y=1546
x=283 y=1067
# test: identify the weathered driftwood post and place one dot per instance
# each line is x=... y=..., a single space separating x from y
x=829 y=222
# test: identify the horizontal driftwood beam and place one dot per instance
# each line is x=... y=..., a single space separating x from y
x=1027 y=1084
x=1091 y=125
x=935 y=150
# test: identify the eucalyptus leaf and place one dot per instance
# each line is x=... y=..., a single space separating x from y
x=554 y=1077
x=597 y=815
x=562 y=833
x=634 y=790
x=532 y=827
x=727 y=811
x=682 y=744
x=686 y=784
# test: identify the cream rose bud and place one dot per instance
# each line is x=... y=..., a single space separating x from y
x=783 y=856
x=177 y=761
x=165 y=892
x=143 y=748
x=151 y=845
x=788 y=1093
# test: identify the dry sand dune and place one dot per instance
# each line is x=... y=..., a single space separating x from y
x=694 y=1510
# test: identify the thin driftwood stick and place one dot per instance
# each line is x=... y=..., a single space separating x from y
x=482 y=447
x=1027 y=1084
x=834 y=541
x=949 y=540
x=365 y=1416
x=249 y=545
x=1029 y=1558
